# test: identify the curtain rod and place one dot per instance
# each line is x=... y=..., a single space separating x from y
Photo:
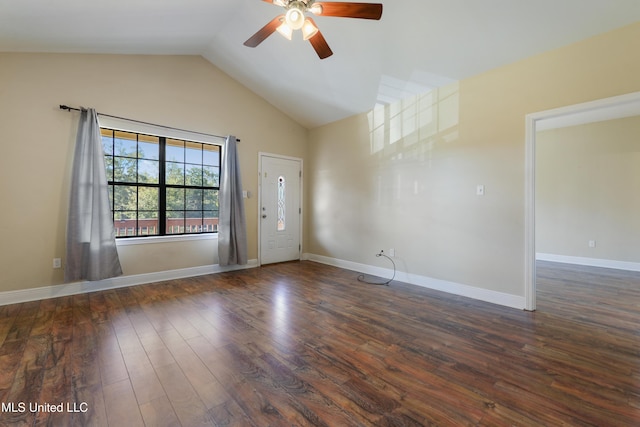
x=66 y=107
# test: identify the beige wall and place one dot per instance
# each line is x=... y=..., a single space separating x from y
x=417 y=193
x=402 y=177
x=37 y=146
x=588 y=188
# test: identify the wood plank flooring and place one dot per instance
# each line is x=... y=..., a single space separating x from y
x=303 y=344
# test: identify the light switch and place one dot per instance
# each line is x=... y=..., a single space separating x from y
x=480 y=190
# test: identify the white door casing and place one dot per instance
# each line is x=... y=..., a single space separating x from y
x=280 y=208
x=620 y=106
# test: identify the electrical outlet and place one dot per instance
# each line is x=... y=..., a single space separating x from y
x=57 y=263
x=592 y=243
x=392 y=252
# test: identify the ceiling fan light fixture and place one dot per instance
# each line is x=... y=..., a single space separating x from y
x=285 y=31
x=308 y=29
x=316 y=9
x=295 y=18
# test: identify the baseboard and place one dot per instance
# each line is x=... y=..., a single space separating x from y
x=34 y=294
x=591 y=262
x=24 y=295
x=495 y=297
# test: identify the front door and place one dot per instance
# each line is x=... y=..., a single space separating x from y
x=280 y=208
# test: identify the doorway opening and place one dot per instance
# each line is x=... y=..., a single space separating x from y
x=604 y=109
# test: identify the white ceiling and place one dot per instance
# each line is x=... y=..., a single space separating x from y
x=417 y=45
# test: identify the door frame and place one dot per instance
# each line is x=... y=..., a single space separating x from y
x=261 y=156
x=602 y=109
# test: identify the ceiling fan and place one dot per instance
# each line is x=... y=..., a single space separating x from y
x=295 y=19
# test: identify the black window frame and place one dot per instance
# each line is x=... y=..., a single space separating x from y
x=162 y=186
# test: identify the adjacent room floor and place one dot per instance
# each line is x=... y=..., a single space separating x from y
x=302 y=343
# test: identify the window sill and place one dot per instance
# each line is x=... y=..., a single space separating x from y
x=165 y=239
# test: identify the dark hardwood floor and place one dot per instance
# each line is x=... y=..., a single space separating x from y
x=301 y=344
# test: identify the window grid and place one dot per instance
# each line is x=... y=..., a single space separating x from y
x=161 y=186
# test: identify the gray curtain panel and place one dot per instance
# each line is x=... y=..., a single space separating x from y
x=232 y=227
x=91 y=243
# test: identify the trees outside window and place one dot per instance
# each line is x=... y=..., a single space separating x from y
x=161 y=186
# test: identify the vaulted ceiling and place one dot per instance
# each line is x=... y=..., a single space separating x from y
x=417 y=45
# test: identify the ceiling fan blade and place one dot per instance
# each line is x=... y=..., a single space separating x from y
x=264 y=32
x=350 y=9
x=320 y=44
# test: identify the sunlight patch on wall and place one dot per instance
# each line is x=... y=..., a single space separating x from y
x=425 y=118
x=411 y=144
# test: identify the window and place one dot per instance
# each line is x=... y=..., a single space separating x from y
x=281 y=204
x=161 y=186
